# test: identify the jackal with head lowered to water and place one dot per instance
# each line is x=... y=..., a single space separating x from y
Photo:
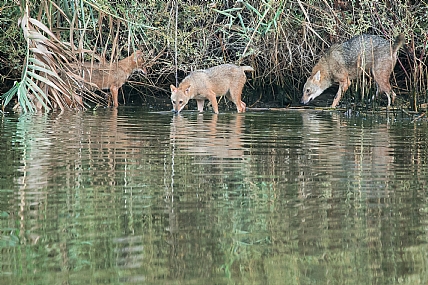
x=364 y=54
x=224 y=79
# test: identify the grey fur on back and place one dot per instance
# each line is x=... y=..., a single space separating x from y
x=366 y=51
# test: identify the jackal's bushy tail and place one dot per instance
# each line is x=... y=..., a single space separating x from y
x=247 y=68
x=399 y=41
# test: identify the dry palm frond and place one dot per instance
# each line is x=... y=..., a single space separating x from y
x=41 y=86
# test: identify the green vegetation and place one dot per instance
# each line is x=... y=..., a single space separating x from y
x=281 y=39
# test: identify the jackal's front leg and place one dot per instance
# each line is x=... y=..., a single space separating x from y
x=200 y=105
x=243 y=107
x=337 y=97
x=213 y=99
x=343 y=86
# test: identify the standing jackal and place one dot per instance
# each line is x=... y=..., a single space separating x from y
x=225 y=79
x=368 y=54
x=110 y=76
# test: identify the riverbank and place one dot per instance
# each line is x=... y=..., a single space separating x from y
x=282 y=40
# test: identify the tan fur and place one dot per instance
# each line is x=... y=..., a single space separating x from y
x=225 y=79
x=365 y=54
x=109 y=76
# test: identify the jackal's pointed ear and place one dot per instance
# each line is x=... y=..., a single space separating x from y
x=317 y=76
x=173 y=88
x=187 y=90
x=138 y=54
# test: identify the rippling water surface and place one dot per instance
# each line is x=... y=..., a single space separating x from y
x=134 y=197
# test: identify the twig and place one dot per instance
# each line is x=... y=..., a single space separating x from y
x=419 y=117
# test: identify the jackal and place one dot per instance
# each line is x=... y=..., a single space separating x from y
x=364 y=54
x=225 y=79
x=109 y=75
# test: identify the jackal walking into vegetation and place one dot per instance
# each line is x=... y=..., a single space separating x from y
x=109 y=76
x=364 y=54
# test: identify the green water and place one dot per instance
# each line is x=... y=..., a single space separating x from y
x=137 y=197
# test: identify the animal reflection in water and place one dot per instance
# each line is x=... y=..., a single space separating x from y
x=209 y=135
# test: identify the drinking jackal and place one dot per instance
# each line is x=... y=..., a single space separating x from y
x=225 y=79
x=364 y=54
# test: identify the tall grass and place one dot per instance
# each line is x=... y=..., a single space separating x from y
x=281 y=39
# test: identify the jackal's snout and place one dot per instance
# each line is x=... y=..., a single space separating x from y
x=178 y=99
x=306 y=98
x=177 y=106
x=312 y=88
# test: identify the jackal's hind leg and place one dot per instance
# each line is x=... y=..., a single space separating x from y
x=391 y=98
x=114 y=90
x=382 y=80
x=385 y=86
x=235 y=96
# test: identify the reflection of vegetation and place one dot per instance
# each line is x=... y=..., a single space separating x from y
x=281 y=39
x=313 y=203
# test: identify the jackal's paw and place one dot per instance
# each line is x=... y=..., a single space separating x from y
x=243 y=107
